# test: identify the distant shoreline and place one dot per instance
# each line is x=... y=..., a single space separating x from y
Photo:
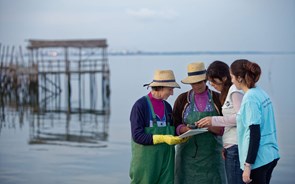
x=144 y=53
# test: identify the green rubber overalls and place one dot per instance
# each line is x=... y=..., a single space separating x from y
x=199 y=159
x=153 y=164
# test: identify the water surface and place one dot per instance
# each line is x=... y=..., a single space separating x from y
x=107 y=160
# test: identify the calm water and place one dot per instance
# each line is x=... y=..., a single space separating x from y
x=107 y=161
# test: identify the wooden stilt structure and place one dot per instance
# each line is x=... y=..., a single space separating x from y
x=75 y=60
x=69 y=79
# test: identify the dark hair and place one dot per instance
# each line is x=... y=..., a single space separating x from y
x=219 y=70
x=249 y=71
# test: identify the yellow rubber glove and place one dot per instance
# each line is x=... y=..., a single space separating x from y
x=169 y=139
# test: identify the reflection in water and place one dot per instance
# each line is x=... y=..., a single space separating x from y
x=32 y=91
x=59 y=127
x=74 y=127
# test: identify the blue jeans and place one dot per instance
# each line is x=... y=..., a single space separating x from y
x=232 y=165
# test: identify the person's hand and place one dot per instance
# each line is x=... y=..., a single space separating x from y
x=223 y=155
x=247 y=173
x=204 y=122
x=184 y=129
x=168 y=139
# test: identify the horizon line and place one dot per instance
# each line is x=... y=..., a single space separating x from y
x=151 y=53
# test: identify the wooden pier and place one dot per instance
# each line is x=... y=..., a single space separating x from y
x=56 y=65
x=62 y=78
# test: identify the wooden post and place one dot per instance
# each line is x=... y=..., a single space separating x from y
x=79 y=77
x=68 y=78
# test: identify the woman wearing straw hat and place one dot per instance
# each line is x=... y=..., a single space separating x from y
x=153 y=132
x=198 y=160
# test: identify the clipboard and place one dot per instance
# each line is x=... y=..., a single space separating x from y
x=193 y=132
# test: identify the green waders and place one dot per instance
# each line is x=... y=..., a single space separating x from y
x=199 y=160
x=153 y=164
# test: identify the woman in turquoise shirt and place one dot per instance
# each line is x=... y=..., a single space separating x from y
x=256 y=126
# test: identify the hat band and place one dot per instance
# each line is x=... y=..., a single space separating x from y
x=196 y=73
x=163 y=80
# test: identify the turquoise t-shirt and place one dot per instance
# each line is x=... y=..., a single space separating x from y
x=257 y=109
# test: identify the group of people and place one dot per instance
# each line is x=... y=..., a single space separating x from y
x=239 y=146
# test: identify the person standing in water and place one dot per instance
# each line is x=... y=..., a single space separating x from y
x=153 y=132
x=199 y=159
x=219 y=77
x=256 y=125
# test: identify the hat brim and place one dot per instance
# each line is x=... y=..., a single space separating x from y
x=194 y=79
x=163 y=84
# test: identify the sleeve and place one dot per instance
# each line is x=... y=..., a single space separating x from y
x=237 y=98
x=169 y=113
x=138 y=118
x=177 y=112
x=253 y=115
x=253 y=144
x=215 y=129
x=229 y=120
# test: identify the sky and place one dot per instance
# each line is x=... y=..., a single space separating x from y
x=154 y=25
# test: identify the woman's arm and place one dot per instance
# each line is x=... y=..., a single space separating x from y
x=229 y=120
x=177 y=111
x=138 y=119
x=253 y=143
x=216 y=130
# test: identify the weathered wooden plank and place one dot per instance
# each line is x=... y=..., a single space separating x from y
x=34 y=44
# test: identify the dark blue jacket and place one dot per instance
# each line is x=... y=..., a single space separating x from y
x=140 y=118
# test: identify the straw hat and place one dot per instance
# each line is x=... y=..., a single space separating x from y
x=163 y=78
x=196 y=72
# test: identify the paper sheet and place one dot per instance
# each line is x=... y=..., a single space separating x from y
x=193 y=132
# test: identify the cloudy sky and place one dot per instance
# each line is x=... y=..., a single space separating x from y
x=154 y=25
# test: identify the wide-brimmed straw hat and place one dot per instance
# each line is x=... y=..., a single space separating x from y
x=196 y=72
x=163 y=78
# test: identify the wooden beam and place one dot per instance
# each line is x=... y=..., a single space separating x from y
x=34 y=44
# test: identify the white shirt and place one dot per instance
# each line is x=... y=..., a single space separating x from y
x=230 y=108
